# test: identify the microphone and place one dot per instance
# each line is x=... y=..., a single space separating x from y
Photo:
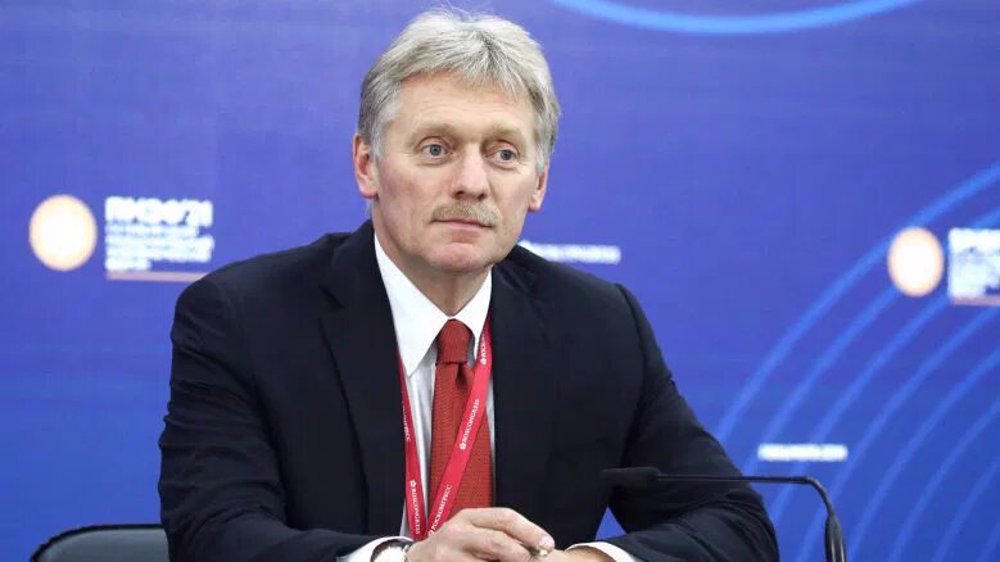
x=646 y=477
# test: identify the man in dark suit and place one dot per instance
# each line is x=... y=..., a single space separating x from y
x=421 y=389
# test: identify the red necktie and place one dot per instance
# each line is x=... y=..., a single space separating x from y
x=452 y=385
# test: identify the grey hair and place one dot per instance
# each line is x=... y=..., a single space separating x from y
x=480 y=50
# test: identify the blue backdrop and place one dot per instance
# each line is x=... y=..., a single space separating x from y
x=744 y=167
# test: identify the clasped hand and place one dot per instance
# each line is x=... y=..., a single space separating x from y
x=494 y=533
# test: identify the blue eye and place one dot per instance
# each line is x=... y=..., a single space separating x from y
x=434 y=150
x=507 y=155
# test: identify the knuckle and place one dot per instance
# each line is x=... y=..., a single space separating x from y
x=507 y=515
x=448 y=533
x=495 y=544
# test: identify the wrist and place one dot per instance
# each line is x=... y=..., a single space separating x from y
x=393 y=550
x=587 y=554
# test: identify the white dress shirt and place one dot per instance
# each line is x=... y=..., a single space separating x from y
x=417 y=322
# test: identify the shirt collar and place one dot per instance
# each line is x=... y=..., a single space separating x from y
x=417 y=320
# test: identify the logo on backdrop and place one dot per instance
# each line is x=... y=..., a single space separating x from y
x=62 y=233
x=729 y=18
x=974 y=266
x=150 y=239
x=145 y=238
x=916 y=263
x=575 y=253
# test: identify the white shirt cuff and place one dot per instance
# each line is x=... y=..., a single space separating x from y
x=364 y=554
x=616 y=553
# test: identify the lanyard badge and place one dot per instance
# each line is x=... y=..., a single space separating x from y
x=417 y=514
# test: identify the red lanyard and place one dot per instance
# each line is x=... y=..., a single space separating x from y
x=475 y=412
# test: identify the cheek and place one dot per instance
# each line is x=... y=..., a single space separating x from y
x=415 y=194
x=396 y=193
x=517 y=206
x=511 y=226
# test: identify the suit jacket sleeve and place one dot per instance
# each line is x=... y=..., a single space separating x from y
x=220 y=490
x=689 y=522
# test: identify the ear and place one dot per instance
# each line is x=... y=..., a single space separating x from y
x=365 y=171
x=538 y=195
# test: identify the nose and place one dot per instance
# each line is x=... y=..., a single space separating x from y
x=471 y=177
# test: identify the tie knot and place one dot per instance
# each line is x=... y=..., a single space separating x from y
x=453 y=343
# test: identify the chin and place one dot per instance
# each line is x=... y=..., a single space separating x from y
x=463 y=266
x=463 y=261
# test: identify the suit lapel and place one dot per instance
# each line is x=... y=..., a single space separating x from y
x=524 y=389
x=360 y=333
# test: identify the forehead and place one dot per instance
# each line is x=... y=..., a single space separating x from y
x=442 y=101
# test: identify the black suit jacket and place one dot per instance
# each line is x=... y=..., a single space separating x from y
x=283 y=438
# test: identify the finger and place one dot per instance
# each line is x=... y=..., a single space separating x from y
x=441 y=546
x=491 y=544
x=512 y=523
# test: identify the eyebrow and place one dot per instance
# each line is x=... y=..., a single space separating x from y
x=445 y=129
x=499 y=131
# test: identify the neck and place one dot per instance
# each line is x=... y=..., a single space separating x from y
x=449 y=291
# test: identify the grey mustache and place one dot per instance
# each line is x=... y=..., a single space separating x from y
x=468 y=212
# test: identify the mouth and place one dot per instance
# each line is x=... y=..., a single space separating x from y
x=464 y=223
